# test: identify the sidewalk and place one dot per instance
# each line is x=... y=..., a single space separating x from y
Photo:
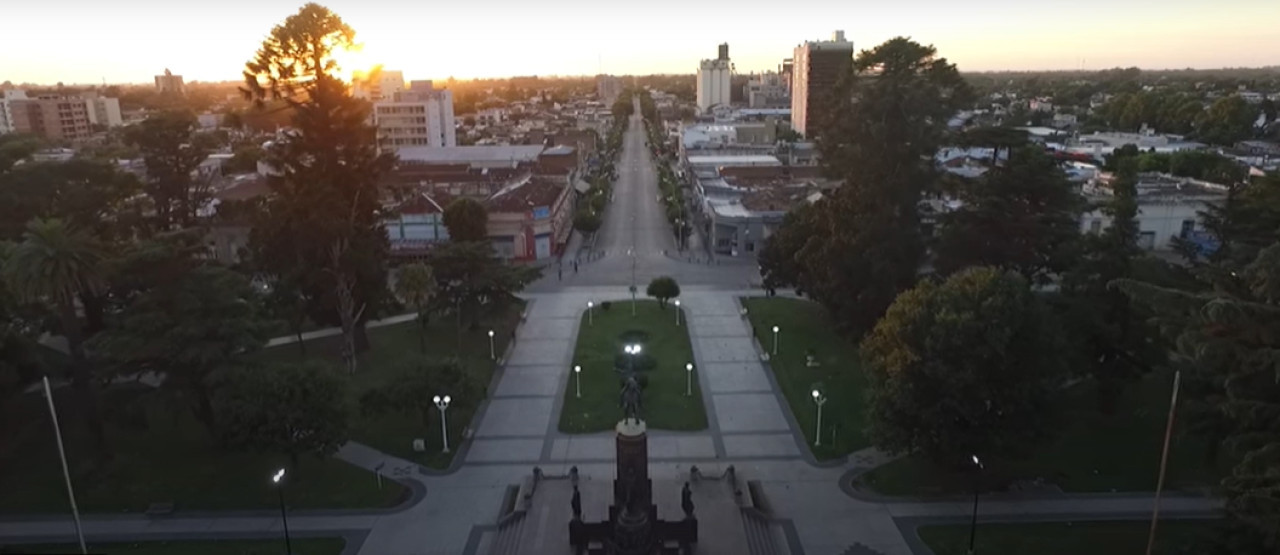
x=329 y=332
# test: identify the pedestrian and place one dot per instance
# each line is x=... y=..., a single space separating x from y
x=559 y=273
x=575 y=266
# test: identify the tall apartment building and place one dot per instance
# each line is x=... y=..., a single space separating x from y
x=608 y=88
x=419 y=116
x=768 y=90
x=377 y=85
x=6 y=110
x=714 y=77
x=169 y=83
x=102 y=110
x=816 y=66
x=51 y=117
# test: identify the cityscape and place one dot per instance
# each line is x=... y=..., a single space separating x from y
x=868 y=293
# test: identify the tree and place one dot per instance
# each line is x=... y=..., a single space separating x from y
x=1022 y=216
x=587 y=221
x=54 y=264
x=416 y=381
x=293 y=409
x=1112 y=336
x=21 y=325
x=86 y=194
x=963 y=367
x=1226 y=345
x=416 y=285
x=170 y=149
x=663 y=288
x=325 y=199
x=186 y=329
x=1228 y=120
x=779 y=266
x=467 y=220
x=886 y=120
x=14 y=148
x=469 y=274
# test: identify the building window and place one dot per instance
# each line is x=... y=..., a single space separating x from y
x=1095 y=226
x=1188 y=226
x=1147 y=240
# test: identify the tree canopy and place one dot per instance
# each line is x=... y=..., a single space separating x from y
x=961 y=368
x=467 y=220
x=663 y=288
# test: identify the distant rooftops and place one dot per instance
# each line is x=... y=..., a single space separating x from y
x=476 y=156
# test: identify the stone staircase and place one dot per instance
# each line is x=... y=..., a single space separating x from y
x=762 y=534
x=506 y=539
x=859 y=549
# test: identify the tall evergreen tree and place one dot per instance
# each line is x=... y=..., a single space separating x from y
x=885 y=122
x=323 y=217
x=1023 y=215
x=172 y=152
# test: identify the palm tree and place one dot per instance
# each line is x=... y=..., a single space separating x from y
x=416 y=285
x=55 y=264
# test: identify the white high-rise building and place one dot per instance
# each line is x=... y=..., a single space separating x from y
x=377 y=85
x=419 y=116
x=102 y=110
x=714 y=77
x=6 y=109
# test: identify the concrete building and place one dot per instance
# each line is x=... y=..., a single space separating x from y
x=377 y=85
x=714 y=78
x=817 y=66
x=608 y=88
x=1168 y=207
x=768 y=90
x=477 y=157
x=6 y=109
x=421 y=116
x=52 y=117
x=169 y=83
x=102 y=110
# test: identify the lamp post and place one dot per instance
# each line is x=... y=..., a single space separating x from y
x=631 y=350
x=492 y=354
x=284 y=517
x=62 y=456
x=577 y=381
x=973 y=523
x=677 y=313
x=775 y=341
x=632 y=253
x=442 y=403
x=820 y=400
x=688 y=379
x=590 y=313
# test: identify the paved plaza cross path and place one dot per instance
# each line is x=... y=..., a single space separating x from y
x=749 y=425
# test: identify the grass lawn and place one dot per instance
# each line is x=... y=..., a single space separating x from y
x=665 y=405
x=394 y=433
x=325 y=546
x=170 y=460
x=1068 y=538
x=805 y=325
x=1095 y=452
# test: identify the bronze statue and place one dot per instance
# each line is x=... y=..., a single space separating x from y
x=630 y=399
x=576 y=503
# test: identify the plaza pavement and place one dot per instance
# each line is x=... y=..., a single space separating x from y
x=749 y=426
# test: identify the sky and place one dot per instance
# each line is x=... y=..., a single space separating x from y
x=129 y=41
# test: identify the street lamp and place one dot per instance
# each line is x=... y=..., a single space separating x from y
x=62 y=456
x=775 y=341
x=577 y=380
x=284 y=518
x=442 y=403
x=820 y=400
x=492 y=355
x=688 y=379
x=632 y=350
x=677 y=313
x=973 y=523
x=590 y=313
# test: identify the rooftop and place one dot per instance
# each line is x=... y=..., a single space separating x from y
x=744 y=160
x=527 y=194
x=473 y=155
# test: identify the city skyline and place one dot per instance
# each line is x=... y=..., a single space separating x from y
x=130 y=41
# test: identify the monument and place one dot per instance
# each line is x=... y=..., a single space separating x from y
x=633 y=526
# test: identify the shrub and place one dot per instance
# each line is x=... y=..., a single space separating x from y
x=605 y=305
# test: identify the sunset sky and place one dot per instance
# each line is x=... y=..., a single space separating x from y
x=87 y=41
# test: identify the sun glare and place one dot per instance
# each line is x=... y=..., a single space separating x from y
x=351 y=61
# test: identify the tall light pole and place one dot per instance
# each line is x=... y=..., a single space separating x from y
x=632 y=253
x=973 y=523
x=818 y=399
x=577 y=381
x=492 y=354
x=590 y=313
x=631 y=350
x=775 y=341
x=284 y=517
x=442 y=403
x=677 y=313
x=62 y=456
x=688 y=379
